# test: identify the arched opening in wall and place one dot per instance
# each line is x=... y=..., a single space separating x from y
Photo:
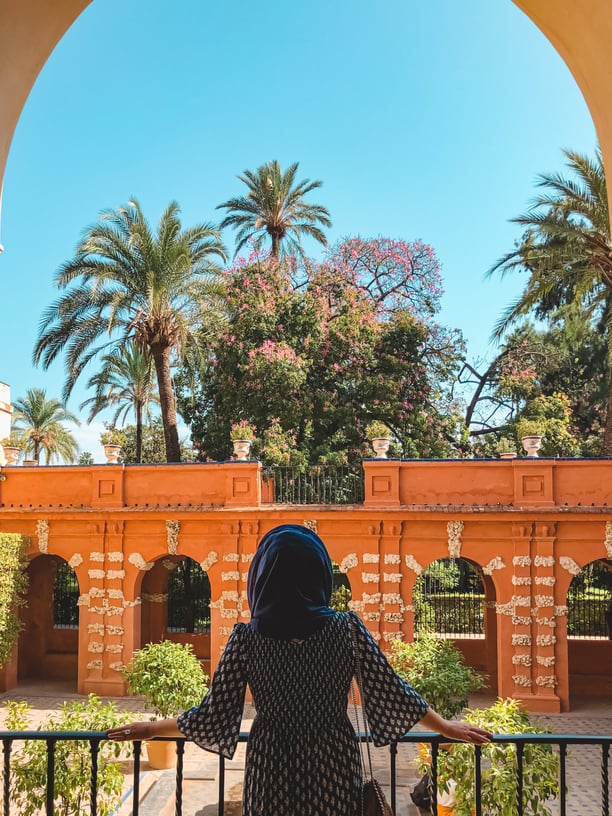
x=589 y=630
x=341 y=590
x=48 y=644
x=176 y=605
x=454 y=599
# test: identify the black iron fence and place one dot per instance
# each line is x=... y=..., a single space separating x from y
x=318 y=485
x=598 y=797
x=589 y=615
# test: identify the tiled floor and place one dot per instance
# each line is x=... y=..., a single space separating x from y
x=200 y=788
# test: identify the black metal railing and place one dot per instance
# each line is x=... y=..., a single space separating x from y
x=560 y=742
x=589 y=616
x=318 y=485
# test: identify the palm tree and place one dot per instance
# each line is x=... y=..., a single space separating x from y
x=131 y=284
x=39 y=421
x=567 y=252
x=275 y=207
x=127 y=383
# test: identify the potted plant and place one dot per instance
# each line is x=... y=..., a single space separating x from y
x=499 y=766
x=169 y=677
x=379 y=436
x=530 y=432
x=112 y=441
x=505 y=448
x=435 y=668
x=242 y=435
x=11 y=448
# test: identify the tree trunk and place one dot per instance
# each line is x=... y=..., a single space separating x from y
x=275 y=251
x=161 y=358
x=607 y=440
x=138 y=433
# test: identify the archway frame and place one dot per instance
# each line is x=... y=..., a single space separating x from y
x=580 y=30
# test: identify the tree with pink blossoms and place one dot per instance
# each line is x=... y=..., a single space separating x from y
x=316 y=351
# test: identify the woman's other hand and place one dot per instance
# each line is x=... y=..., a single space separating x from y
x=133 y=732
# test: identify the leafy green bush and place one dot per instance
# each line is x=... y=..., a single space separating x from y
x=435 y=668
x=28 y=780
x=499 y=766
x=13 y=589
x=169 y=677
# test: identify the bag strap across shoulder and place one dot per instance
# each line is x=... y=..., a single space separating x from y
x=367 y=769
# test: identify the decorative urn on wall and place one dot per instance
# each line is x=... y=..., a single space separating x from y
x=379 y=436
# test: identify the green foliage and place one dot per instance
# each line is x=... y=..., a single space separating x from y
x=112 y=436
x=15 y=440
x=499 y=766
x=530 y=427
x=153 y=444
x=436 y=669
x=72 y=760
x=311 y=365
x=242 y=430
x=13 y=590
x=377 y=430
x=40 y=424
x=157 y=288
x=566 y=253
x=275 y=209
x=340 y=598
x=505 y=445
x=86 y=458
x=169 y=677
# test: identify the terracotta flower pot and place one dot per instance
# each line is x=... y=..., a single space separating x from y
x=161 y=754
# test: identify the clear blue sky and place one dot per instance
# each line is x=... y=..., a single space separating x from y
x=424 y=120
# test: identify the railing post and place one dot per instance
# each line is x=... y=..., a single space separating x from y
x=6 y=745
x=94 y=746
x=50 y=777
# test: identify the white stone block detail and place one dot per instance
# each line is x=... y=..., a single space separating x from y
x=370 y=577
x=371 y=558
x=392 y=577
x=138 y=561
x=569 y=565
x=521 y=561
x=392 y=558
x=75 y=561
x=494 y=564
x=210 y=559
x=96 y=574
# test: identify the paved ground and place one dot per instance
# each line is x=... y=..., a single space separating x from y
x=200 y=788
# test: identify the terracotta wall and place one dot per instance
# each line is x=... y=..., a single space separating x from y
x=530 y=525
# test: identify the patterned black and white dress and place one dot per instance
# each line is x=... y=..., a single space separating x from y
x=302 y=756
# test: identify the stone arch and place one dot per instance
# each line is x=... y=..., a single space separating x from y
x=48 y=644
x=454 y=598
x=580 y=30
x=160 y=615
x=589 y=629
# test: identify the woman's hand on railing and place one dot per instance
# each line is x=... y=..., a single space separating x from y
x=455 y=730
x=138 y=731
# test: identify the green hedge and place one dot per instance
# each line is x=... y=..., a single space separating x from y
x=13 y=589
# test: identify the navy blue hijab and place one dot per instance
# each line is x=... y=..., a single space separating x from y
x=290 y=583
